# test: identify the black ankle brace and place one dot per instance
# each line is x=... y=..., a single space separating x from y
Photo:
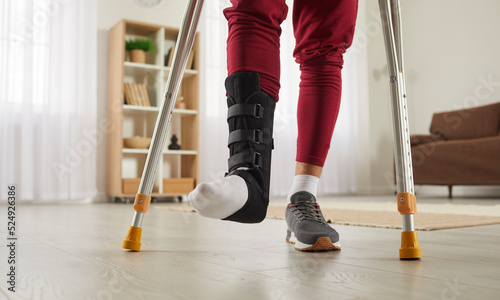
x=250 y=118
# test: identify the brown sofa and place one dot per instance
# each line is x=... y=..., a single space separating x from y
x=462 y=149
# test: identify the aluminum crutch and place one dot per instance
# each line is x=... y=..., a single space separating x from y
x=183 y=47
x=390 y=13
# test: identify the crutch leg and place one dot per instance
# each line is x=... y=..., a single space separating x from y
x=407 y=204
x=185 y=41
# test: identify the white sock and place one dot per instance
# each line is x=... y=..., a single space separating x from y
x=221 y=198
x=304 y=183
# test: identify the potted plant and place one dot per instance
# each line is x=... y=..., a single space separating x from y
x=138 y=49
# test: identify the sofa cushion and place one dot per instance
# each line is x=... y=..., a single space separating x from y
x=458 y=162
x=482 y=121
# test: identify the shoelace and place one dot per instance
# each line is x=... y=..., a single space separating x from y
x=308 y=211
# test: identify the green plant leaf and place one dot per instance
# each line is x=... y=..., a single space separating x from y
x=145 y=44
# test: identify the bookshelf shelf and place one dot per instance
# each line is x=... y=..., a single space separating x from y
x=169 y=152
x=187 y=73
x=133 y=65
x=133 y=108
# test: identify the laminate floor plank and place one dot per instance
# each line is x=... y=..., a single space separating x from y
x=73 y=252
x=44 y=272
x=367 y=283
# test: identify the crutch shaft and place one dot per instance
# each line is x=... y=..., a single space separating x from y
x=185 y=40
x=398 y=34
x=390 y=13
x=137 y=220
x=184 y=44
x=402 y=148
x=408 y=222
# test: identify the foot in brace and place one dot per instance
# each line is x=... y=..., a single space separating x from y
x=243 y=194
x=306 y=226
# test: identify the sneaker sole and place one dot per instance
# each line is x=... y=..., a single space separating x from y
x=322 y=244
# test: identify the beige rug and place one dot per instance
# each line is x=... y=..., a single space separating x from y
x=372 y=218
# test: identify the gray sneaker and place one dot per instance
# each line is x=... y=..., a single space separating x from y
x=307 y=228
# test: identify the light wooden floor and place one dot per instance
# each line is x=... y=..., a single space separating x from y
x=73 y=252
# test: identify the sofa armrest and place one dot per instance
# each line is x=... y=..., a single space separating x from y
x=419 y=139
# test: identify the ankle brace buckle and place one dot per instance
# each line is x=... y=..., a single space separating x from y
x=258 y=111
x=257 y=160
x=258 y=136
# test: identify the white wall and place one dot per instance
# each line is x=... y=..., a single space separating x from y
x=449 y=46
x=110 y=12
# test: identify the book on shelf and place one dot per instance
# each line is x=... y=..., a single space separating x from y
x=136 y=94
x=170 y=57
x=190 y=62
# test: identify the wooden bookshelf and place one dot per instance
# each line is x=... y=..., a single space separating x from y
x=179 y=169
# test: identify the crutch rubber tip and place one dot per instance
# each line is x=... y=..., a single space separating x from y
x=133 y=239
x=410 y=249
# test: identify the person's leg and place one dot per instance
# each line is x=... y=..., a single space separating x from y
x=253 y=42
x=252 y=90
x=323 y=31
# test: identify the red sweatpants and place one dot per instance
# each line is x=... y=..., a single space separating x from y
x=323 y=31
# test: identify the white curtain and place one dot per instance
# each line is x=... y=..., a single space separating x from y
x=48 y=132
x=339 y=175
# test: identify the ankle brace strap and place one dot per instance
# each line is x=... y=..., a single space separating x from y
x=246 y=135
x=249 y=159
x=243 y=109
